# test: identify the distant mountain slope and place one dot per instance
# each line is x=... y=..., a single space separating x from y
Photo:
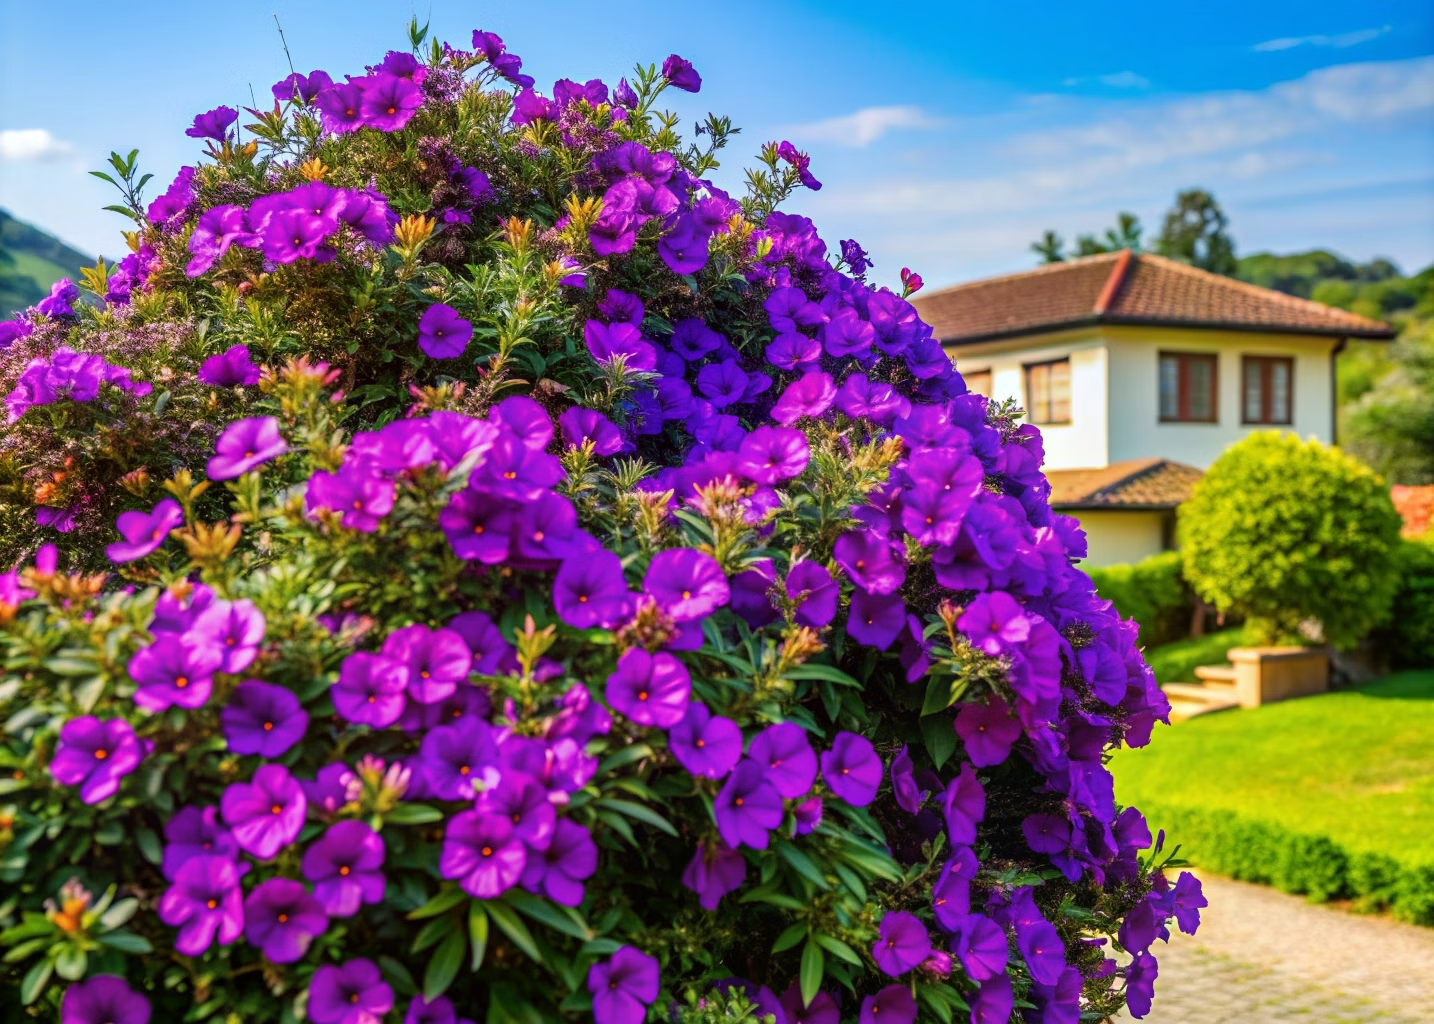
x=1375 y=289
x=31 y=261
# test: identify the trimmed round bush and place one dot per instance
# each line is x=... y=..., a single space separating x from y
x=1287 y=533
x=470 y=566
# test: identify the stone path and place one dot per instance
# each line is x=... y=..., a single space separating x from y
x=1262 y=955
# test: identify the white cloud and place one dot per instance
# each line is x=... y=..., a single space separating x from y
x=865 y=126
x=1338 y=42
x=1116 y=80
x=32 y=145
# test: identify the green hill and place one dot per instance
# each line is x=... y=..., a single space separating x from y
x=1375 y=289
x=31 y=261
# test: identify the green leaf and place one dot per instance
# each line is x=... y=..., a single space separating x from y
x=70 y=666
x=827 y=673
x=431 y=933
x=803 y=864
x=838 y=949
x=477 y=933
x=512 y=926
x=127 y=942
x=35 y=980
x=443 y=968
x=413 y=814
x=25 y=949
x=71 y=963
x=149 y=846
x=789 y=938
x=119 y=913
x=640 y=813
x=626 y=756
x=445 y=900
x=543 y=912
x=940 y=736
x=940 y=694
x=814 y=965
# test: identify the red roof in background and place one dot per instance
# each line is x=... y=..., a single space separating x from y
x=1131 y=288
x=1132 y=484
x=1416 y=506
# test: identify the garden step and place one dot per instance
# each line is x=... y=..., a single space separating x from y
x=1209 y=693
x=1216 y=673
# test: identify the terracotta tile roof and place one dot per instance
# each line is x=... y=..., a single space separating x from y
x=1131 y=288
x=1416 y=506
x=1135 y=483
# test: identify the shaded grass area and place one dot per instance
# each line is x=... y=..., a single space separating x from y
x=1176 y=663
x=1356 y=767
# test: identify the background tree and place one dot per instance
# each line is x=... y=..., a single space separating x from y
x=1194 y=233
x=1391 y=426
x=1285 y=532
x=1050 y=247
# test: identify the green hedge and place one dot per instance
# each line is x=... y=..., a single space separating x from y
x=1315 y=866
x=1153 y=593
x=1408 y=637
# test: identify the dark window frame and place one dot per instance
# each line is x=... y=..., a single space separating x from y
x=1267 y=391
x=1031 y=414
x=1182 y=386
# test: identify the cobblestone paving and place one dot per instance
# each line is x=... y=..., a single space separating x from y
x=1262 y=955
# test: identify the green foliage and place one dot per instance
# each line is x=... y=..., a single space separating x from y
x=1124 y=235
x=1283 y=532
x=31 y=261
x=1194 y=232
x=1408 y=638
x=1153 y=593
x=1315 y=866
x=1176 y=662
x=1391 y=426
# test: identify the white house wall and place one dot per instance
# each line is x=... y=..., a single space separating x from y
x=1121 y=537
x=1135 y=428
x=1081 y=444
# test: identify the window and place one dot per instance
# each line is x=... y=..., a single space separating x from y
x=1267 y=389
x=978 y=382
x=1048 y=391
x=1187 y=388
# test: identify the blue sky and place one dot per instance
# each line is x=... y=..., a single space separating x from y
x=948 y=135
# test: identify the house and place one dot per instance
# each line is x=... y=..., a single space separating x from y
x=1140 y=371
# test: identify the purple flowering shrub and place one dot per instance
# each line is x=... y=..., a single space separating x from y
x=589 y=602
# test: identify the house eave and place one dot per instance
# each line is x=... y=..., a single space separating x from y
x=1097 y=506
x=1334 y=333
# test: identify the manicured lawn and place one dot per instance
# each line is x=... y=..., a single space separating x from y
x=1175 y=663
x=1355 y=766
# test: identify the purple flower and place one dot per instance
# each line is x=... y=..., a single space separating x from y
x=478 y=526
x=751 y=597
x=877 y=401
x=688 y=584
x=442 y=333
x=1140 y=978
x=234 y=629
x=213 y=124
x=282 y=919
x=362 y=496
x=458 y=755
x=589 y=590
x=291 y=234
x=715 y=870
x=892 y=1005
x=437 y=659
x=346 y=866
x=866 y=558
x=95 y=755
x=205 y=901
x=1047 y=833
x=266 y=813
x=195 y=832
x=994 y=622
x=218 y=228
x=370 y=689
x=902 y=945
x=875 y=619
x=558 y=872
x=951 y=895
x=341 y=107
x=748 y=807
x=523 y=801
x=390 y=101
x=174 y=670
x=786 y=758
x=1185 y=901
x=439 y=1011
x=624 y=987
x=144 y=532
x=1041 y=946
x=847 y=334
x=994 y=1001
x=963 y=804
x=608 y=341
x=580 y=425
x=263 y=719
x=245 y=445
x=810 y=395
x=62 y=520
x=852 y=769
x=680 y=75
x=722 y=383
x=174 y=200
x=814 y=593
x=769 y=455
x=980 y=944
x=650 y=689
x=354 y=993
x=483 y=853
x=987 y=731
x=301 y=88
x=103 y=999
x=705 y=744
x=909 y=796
x=230 y=368
x=807 y=816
